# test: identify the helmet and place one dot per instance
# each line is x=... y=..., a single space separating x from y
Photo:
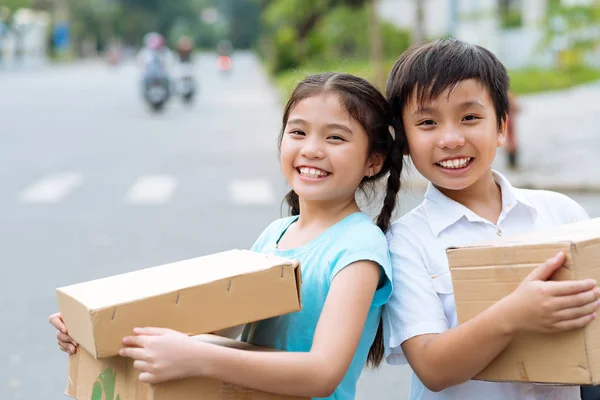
x=154 y=40
x=185 y=43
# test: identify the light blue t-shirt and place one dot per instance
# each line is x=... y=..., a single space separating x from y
x=354 y=238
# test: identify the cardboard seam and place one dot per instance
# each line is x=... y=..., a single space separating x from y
x=575 y=258
x=176 y=292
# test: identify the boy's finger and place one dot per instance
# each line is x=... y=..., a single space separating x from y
x=575 y=323
x=568 y=288
x=544 y=271
x=57 y=322
x=577 y=312
x=577 y=300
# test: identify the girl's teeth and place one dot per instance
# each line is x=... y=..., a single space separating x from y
x=456 y=163
x=312 y=172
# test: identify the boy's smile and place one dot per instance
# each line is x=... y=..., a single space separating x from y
x=453 y=138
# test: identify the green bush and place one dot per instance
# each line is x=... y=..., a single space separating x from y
x=285 y=52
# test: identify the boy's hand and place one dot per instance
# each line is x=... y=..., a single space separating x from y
x=546 y=306
x=65 y=342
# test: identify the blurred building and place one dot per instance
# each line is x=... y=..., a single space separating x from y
x=24 y=42
x=513 y=29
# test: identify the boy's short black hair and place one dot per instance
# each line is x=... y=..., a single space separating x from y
x=434 y=67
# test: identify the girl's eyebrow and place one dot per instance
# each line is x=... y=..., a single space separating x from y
x=300 y=121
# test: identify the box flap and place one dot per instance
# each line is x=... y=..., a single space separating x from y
x=577 y=232
x=149 y=282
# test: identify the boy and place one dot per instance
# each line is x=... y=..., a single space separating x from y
x=449 y=100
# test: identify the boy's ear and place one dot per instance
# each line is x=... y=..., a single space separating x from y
x=502 y=132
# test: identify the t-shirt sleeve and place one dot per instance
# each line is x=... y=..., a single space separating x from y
x=415 y=307
x=369 y=245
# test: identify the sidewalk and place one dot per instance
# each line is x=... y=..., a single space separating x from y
x=559 y=143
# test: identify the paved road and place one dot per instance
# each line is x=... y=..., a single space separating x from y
x=93 y=184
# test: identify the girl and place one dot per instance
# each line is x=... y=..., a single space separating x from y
x=335 y=140
x=449 y=100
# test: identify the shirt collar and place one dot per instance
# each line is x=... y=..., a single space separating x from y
x=443 y=212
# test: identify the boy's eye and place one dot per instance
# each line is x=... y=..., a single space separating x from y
x=471 y=118
x=336 y=137
x=427 y=122
x=297 y=133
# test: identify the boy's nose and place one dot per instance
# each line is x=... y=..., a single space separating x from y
x=451 y=139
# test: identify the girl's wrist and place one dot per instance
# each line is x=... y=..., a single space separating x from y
x=202 y=360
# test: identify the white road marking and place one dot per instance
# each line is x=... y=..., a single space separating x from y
x=253 y=192
x=51 y=189
x=151 y=189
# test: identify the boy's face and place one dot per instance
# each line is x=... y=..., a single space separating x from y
x=453 y=138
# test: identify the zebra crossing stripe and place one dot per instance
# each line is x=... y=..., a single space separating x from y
x=51 y=189
x=151 y=189
x=251 y=192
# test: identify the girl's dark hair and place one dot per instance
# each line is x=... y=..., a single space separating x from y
x=427 y=70
x=368 y=106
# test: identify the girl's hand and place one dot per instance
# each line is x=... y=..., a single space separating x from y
x=546 y=306
x=161 y=354
x=65 y=342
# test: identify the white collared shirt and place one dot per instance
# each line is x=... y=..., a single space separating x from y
x=423 y=299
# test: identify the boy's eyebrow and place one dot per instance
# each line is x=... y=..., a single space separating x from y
x=472 y=103
x=432 y=110
x=300 y=121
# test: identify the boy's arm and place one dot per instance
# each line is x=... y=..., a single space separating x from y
x=443 y=357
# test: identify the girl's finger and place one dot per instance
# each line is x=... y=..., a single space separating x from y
x=142 y=366
x=147 y=377
x=65 y=347
x=57 y=322
x=151 y=331
x=139 y=341
x=135 y=353
x=65 y=338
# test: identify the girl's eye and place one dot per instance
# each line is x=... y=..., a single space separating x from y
x=471 y=118
x=336 y=137
x=427 y=122
x=297 y=133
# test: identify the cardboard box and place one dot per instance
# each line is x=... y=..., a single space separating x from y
x=114 y=378
x=484 y=273
x=200 y=295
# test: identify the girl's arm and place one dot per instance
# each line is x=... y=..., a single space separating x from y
x=164 y=355
x=457 y=355
x=318 y=372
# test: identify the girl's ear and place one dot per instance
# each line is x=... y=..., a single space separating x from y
x=375 y=164
x=502 y=132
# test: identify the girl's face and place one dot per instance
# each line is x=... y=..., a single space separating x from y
x=453 y=138
x=324 y=150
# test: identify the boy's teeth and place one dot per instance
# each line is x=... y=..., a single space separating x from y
x=456 y=163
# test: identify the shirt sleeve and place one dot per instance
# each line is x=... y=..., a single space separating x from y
x=371 y=245
x=415 y=307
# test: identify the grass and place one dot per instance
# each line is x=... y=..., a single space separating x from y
x=523 y=81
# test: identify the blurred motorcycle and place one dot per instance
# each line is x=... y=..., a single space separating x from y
x=187 y=88
x=156 y=91
x=224 y=64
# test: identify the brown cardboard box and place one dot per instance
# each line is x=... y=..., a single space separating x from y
x=114 y=378
x=195 y=296
x=484 y=273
